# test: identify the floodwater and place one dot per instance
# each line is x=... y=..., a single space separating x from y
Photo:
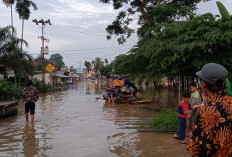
x=73 y=123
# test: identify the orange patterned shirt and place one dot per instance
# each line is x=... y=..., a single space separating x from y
x=212 y=133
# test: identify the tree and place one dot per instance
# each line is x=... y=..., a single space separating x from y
x=5 y=38
x=144 y=8
x=134 y=65
x=87 y=64
x=11 y=56
x=39 y=60
x=106 y=61
x=57 y=60
x=23 y=9
x=97 y=63
x=72 y=68
x=106 y=70
x=8 y=43
x=183 y=47
x=10 y=3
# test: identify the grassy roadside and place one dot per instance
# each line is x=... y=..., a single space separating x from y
x=166 y=121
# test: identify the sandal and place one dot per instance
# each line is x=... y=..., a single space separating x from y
x=183 y=142
x=175 y=136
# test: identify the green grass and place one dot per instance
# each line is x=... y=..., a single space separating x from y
x=166 y=121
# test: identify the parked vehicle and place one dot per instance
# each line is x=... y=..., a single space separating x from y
x=125 y=91
x=109 y=92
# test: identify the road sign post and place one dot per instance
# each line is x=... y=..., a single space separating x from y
x=50 y=69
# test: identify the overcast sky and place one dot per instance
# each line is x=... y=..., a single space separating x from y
x=78 y=28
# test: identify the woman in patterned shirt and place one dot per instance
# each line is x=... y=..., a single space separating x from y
x=212 y=134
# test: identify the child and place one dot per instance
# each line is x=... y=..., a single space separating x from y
x=195 y=99
x=204 y=101
x=182 y=111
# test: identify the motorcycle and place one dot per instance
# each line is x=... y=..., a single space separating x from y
x=125 y=91
x=108 y=92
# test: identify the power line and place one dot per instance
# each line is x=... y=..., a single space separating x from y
x=102 y=51
x=92 y=49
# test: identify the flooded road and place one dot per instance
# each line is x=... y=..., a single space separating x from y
x=73 y=123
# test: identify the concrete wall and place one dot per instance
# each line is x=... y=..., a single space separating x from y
x=39 y=77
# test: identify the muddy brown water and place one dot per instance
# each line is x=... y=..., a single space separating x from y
x=73 y=123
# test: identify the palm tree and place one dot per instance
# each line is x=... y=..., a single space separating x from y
x=10 y=3
x=5 y=37
x=12 y=56
x=23 y=9
x=87 y=64
x=8 y=42
x=98 y=64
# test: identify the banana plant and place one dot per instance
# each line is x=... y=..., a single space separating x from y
x=223 y=11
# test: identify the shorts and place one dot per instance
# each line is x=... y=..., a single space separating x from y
x=30 y=106
x=192 y=113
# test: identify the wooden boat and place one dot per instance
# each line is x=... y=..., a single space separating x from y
x=8 y=108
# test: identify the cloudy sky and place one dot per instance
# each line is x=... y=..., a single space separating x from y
x=78 y=28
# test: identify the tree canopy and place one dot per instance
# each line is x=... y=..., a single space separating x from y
x=57 y=60
x=172 y=45
x=149 y=12
x=12 y=56
x=87 y=65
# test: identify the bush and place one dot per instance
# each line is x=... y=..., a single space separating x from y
x=166 y=121
x=41 y=87
x=8 y=90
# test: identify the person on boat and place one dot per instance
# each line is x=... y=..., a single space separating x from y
x=127 y=83
x=30 y=95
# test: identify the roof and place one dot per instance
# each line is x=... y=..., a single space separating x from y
x=62 y=76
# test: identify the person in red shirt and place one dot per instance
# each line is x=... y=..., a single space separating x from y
x=182 y=111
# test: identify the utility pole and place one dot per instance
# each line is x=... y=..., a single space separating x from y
x=43 y=22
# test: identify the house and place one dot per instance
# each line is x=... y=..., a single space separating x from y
x=6 y=72
x=63 y=77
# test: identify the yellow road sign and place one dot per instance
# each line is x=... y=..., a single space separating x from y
x=50 y=68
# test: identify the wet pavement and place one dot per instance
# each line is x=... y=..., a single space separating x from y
x=74 y=123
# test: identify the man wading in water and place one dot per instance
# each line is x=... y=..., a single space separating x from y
x=212 y=134
x=30 y=95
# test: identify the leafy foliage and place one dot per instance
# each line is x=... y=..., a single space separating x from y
x=185 y=46
x=223 y=11
x=106 y=70
x=87 y=65
x=57 y=60
x=12 y=56
x=8 y=90
x=98 y=64
x=165 y=11
x=23 y=8
x=43 y=88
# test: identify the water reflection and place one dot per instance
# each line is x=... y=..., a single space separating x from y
x=74 y=123
x=30 y=143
